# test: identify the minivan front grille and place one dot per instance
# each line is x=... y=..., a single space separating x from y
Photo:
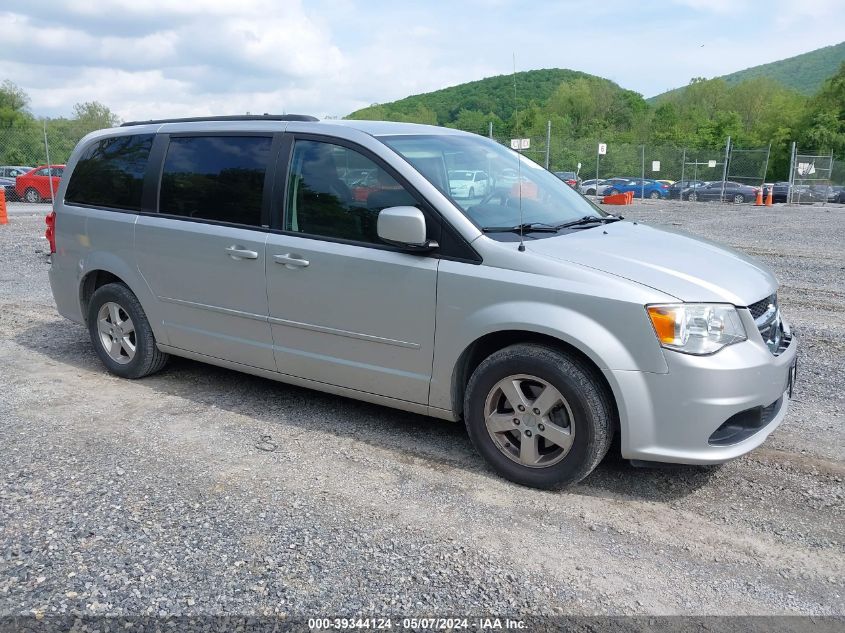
x=759 y=309
x=766 y=314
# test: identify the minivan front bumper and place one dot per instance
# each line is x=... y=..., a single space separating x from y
x=706 y=409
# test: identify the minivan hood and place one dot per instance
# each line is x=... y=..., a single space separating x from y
x=686 y=267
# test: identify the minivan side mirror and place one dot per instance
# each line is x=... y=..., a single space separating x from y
x=404 y=226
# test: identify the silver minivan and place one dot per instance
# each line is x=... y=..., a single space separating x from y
x=544 y=323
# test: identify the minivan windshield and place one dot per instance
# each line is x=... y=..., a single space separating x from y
x=516 y=192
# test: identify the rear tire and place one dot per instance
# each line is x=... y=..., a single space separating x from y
x=564 y=441
x=121 y=333
x=692 y=197
x=739 y=198
x=31 y=195
x=612 y=192
x=654 y=195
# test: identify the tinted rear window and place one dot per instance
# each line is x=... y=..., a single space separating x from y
x=215 y=178
x=111 y=173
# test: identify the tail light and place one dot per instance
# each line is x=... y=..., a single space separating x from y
x=50 y=233
x=571 y=183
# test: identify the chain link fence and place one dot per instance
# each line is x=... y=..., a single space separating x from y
x=812 y=178
x=22 y=148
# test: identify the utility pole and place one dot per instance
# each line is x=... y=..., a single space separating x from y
x=642 y=179
x=597 y=172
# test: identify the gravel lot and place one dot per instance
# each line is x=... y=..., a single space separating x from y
x=156 y=497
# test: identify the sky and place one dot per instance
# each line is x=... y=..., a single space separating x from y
x=153 y=58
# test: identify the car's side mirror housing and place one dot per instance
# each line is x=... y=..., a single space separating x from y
x=404 y=226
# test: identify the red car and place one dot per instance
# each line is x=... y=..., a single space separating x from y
x=34 y=186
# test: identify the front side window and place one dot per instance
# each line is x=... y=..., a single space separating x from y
x=336 y=192
x=218 y=178
x=111 y=173
x=517 y=191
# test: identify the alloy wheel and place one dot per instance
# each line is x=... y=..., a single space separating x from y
x=529 y=421
x=117 y=332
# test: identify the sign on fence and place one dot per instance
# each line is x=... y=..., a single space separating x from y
x=711 y=164
x=655 y=165
x=602 y=148
x=520 y=143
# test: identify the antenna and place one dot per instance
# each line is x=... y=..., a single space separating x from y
x=518 y=157
x=49 y=165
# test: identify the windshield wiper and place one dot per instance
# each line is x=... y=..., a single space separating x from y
x=589 y=219
x=527 y=227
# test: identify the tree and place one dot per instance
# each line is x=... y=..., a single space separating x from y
x=13 y=104
x=94 y=115
x=823 y=125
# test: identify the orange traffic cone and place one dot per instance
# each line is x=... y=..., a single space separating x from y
x=770 y=197
x=759 y=202
x=4 y=217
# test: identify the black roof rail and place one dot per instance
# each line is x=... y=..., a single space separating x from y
x=233 y=117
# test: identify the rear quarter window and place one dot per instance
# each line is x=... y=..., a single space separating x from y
x=110 y=173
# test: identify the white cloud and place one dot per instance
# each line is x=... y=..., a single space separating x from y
x=158 y=58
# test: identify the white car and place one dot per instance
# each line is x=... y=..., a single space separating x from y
x=468 y=184
x=588 y=187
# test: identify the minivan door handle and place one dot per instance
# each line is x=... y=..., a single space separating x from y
x=290 y=261
x=236 y=252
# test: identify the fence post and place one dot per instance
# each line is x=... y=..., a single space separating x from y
x=490 y=130
x=725 y=168
x=683 y=165
x=548 y=141
x=791 y=173
x=766 y=167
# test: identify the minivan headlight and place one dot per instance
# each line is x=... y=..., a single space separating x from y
x=696 y=328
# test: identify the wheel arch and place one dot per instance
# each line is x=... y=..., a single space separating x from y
x=472 y=356
x=100 y=268
x=89 y=284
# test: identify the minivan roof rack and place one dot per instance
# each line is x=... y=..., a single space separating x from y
x=233 y=117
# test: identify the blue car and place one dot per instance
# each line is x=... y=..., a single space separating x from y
x=642 y=188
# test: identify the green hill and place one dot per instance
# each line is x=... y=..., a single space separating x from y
x=493 y=96
x=803 y=73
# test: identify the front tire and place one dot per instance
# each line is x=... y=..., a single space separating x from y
x=32 y=196
x=538 y=416
x=654 y=195
x=739 y=198
x=612 y=192
x=121 y=333
x=692 y=197
x=472 y=193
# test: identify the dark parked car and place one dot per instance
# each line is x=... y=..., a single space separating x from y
x=569 y=177
x=801 y=194
x=676 y=188
x=733 y=192
x=836 y=193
